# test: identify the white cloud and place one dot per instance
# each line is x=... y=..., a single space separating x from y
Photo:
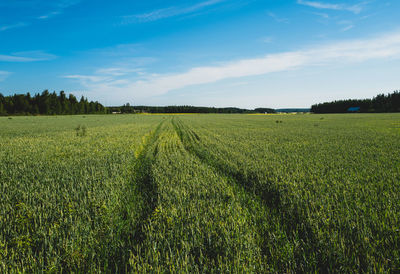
x=323 y=15
x=63 y=4
x=27 y=56
x=117 y=71
x=268 y=39
x=87 y=78
x=127 y=53
x=356 y=9
x=277 y=18
x=49 y=15
x=386 y=46
x=38 y=3
x=57 y=5
x=349 y=27
x=14 y=26
x=4 y=75
x=167 y=12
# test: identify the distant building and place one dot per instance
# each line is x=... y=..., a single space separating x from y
x=353 y=109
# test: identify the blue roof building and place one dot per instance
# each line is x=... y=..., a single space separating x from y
x=353 y=109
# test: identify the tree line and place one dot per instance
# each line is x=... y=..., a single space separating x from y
x=185 y=109
x=48 y=103
x=380 y=103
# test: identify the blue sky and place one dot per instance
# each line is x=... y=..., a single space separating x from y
x=244 y=53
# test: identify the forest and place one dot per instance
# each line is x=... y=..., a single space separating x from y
x=48 y=103
x=185 y=109
x=379 y=104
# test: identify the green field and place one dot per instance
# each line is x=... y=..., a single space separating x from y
x=200 y=193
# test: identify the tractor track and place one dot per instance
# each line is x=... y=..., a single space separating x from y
x=141 y=200
x=269 y=195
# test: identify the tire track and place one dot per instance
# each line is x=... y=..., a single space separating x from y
x=290 y=217
x=199 y=221
x=141 y=200
x=143 y=181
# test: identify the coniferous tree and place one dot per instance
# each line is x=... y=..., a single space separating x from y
x=2 y=101
x=48 y=104
x=380 y=103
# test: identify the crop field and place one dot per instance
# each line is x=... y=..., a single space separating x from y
x=200 y=193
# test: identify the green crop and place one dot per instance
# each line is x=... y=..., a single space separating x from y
x=200 y=193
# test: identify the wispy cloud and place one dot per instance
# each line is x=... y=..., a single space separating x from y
x=27 y=56
x=323 y=15
x=13 y=26
x=168 y=12
x=277 y=18
x=62 y=4
x=348 y=25
x=49 y=15
x=151 y=85
x=86 y=78
x=118 y=71
x=268 y=39
x=57 y=7
x=356 y=9
x=4 y=75
x=39 y=3
x=385 y=46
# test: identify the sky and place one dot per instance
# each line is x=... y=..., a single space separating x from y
x=222 y=53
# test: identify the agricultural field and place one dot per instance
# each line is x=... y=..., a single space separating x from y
x=200 y=193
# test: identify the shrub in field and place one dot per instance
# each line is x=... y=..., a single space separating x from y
x=80 y=130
